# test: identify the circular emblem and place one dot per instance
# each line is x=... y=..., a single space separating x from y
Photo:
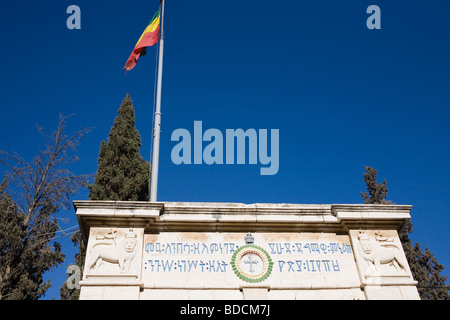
x=251 y=263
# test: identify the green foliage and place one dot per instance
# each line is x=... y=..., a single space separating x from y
x=376 y=192
x=122 y=173
x=28 y=221
x=425 y=268
x=423 y=264
x=74 y=294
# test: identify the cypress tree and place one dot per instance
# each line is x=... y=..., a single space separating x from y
x=423 y=264
x=376 y=192
x=425 y=268
x=122 y=175
x=122 y=172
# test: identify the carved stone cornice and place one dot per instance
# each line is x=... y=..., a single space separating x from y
x=238 y=217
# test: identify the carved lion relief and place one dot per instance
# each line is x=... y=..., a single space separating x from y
x=382 y=255
x=112 y=252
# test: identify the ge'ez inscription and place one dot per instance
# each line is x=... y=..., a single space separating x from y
x=189 y=248
x=164 y=265
x=309 y=266
x=309 y=247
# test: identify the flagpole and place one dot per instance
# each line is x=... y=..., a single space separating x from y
x=157 y=128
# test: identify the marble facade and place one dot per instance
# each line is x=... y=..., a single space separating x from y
x=232 y=251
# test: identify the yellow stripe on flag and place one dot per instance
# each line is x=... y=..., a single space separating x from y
x=150 y=28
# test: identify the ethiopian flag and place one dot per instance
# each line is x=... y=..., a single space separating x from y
x=147 y=39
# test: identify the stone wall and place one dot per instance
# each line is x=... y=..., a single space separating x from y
x=230 y=251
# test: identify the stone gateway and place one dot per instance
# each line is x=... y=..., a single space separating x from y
x=232 y=251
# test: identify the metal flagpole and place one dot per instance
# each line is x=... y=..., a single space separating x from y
x=157 y=128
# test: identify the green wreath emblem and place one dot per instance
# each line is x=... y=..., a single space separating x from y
x=263 y=257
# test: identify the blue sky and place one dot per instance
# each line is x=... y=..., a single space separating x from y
x=342 y=96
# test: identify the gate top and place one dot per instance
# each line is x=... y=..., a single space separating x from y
x=238 y=217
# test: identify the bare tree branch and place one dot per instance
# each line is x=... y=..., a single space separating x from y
x=46 y=184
